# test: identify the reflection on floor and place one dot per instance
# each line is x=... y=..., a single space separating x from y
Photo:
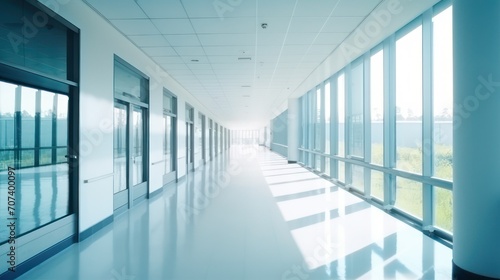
x=250 y=215
x=41 y=196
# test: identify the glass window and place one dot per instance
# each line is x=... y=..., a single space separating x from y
x=358 y=177
x=443 y=94
x=377 y=107
x=317 y=121
x=409 y=101
x=409 y=196
x=377 y=184
x=356 y=135
x=32 y=39
x=341 y=113
x=327 y=119
x=444 y=208
x=44 y=195
x=129 y=83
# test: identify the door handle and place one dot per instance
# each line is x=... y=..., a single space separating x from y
x=71 y=156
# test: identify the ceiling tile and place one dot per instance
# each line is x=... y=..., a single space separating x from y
x=300 y=38
x=307 y=24
x=220 y=9
x=149 y=40
x=183 y=40
x=316 y=8
x=174 y=66
x=321 y=49
x=135 y=26
x=325 y=38
x=159 y=51
x=229 y=25
x=268 y=51
x=168 y=59
x=294 y=49
x=264 y=38
x=199 y=66
x=274 y=24
x=355 y=8
x=229 y=59
x=275 y=8
x=230 y=50
x=342 y=24
x=162 y=9
x=189 y=51
x=173 y=26
x=128 y=9
x=227 y=39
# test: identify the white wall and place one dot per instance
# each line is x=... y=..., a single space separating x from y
x=99 y=43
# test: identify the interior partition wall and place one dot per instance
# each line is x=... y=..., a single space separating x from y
x=382 y=126
x=131 y=93
x=39 y=132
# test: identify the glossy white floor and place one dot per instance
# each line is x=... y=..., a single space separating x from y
x=249 y=215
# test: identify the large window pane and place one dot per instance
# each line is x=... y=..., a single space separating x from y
x=377 y=184
x=61 y=106
x=130 y=84
x=443 y=94
x=341 y=113
x=444 y=208
x=317 y=121
x=409 y=196
x=120 y=148
x=327 y=118
x=377 y=107
x=27 y=113
x=43 y=191
x=46 y=116
x=356 y=133
x=341 y=171
x=31 y=40
x=358 y=179
x=409 y=101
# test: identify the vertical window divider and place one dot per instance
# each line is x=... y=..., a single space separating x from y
x=322 y=127
x=427 y=121
x=389 y=120
x=367 y=124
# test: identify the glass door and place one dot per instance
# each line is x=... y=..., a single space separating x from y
x=189 y=146
x=129 y=177
x=120 y=185
x=137 y=160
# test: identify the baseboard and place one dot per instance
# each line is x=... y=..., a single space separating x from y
x=39 y=258
x=95 y=228
x=155 y=193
